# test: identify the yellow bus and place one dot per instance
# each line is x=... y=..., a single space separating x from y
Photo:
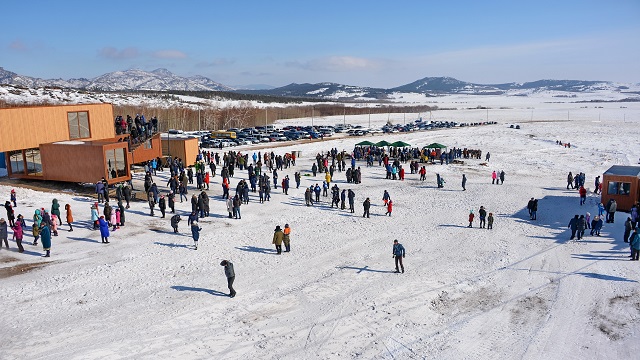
x=220 y=134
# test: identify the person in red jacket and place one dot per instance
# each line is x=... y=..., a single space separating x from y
x=401 y=173
x=471 y=216
x=583 y=195
x=389 y=207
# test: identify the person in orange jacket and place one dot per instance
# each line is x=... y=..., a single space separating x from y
x=287 y=238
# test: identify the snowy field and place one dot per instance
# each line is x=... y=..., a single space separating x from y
x=519 y=291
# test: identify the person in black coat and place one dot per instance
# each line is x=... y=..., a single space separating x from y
x=172 y=202
x=175 y=219
x=121 y=213
x=367 y=205
x=162 y=204
x=573 y=225
x=230 y=274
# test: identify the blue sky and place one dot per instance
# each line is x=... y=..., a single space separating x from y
x=365 y=43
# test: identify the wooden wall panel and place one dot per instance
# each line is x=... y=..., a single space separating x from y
x=62 y=162
x=191 y=150
x=140 y=154
x=28 y=127
x=625 y=202
x=183 y=148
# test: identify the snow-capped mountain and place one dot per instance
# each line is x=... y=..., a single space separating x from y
x=133 y=79
x=164 y=80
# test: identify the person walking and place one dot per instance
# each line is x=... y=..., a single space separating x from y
x=19 y=234
x=583 y=195
x=635 y=245
x=69 y=216
x=195 y=233
x=366 y=205
x=231 y=276
x=278 y=237
x=464 y=182
x=389 y=207
x=573 y=225
x=287 y=238
x=398 y=254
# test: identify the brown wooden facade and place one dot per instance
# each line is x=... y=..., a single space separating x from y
x=181 y=147
x=148 y=150
x=28 y=127
x=621 y=183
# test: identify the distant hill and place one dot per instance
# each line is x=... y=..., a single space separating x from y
x=164 y=80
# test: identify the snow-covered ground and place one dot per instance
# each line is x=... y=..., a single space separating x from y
x=519 y=291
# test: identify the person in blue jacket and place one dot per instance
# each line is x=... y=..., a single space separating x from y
x=104 y=230
x=45 y=236
x=195 y=233
x=398 y=254
x=635 y=245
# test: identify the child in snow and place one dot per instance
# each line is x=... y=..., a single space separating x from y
x=54 y=224
x=114 y=219
x=13 y=198
x=104 y=230
x=471 y=216
x=490 y=221
x=389 y=207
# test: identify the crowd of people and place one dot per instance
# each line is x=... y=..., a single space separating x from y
x=262 y=173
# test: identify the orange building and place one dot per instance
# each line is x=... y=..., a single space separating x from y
x=74 y=143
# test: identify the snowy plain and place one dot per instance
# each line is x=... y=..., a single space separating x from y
x=519 y=291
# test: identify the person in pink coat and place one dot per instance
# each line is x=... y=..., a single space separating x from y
x=18 y=234
x=54 y=224
x=494 y=176
x=114 y=220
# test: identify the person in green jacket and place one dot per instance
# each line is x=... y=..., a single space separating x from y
x=55 y=209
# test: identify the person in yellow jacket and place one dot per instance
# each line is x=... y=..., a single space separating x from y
x=327 y=178
x=278 y=237
x=287 y=239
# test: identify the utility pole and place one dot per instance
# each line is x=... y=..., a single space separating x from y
x=199 y=127
x=369 y=118
x=344 y=117
x=312 y=116
x=266 y=116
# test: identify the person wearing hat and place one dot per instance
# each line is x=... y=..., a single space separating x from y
x=398 y=254
x=366 y=205
x=231 y=276
x=67 y=208
x=195 y=233
x=13 y=198
x=286 y=239
x=4 y=234
x=278 y=237
x=104 y=230
x=45 y=234
x=18 y=234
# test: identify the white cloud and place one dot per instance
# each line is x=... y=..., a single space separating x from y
x=115 y=54
x=169 y=54
x=337 y=64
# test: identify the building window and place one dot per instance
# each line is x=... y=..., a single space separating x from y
x=619 y=188
x=147 y=144
x=78 y=125
x=16 y=161
x=116 y=163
